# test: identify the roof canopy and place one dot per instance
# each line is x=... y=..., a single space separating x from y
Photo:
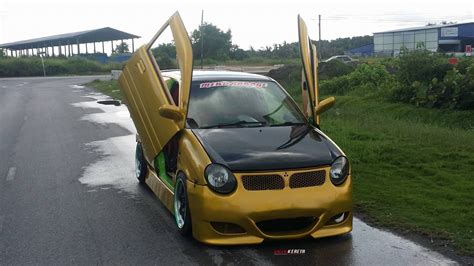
x=88 y=36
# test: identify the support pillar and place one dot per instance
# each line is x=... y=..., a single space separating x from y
x=94 y=49
x=133 y=45
x=103 y=48
x=112 y=46
x=78 y=47
x=87 y=52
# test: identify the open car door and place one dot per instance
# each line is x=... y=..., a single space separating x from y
x=312 y=107
x=146 y=94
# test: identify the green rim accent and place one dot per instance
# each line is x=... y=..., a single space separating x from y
x=177 y=205
x=160 y=164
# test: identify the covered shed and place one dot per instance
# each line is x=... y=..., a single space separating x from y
x=69 y=44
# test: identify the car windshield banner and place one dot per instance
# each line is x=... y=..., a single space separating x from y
x=247 y=84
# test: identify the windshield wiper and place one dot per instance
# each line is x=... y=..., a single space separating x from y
x=235 y=124
x=288 y=123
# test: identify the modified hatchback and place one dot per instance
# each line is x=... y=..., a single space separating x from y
x=230 y=154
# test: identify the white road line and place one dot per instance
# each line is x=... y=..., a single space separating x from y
x=11 y=174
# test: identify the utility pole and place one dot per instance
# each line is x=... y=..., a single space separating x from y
x=202 y=36
x=319 y=42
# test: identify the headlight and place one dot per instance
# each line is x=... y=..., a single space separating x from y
x=339 y=170
x=220 y=179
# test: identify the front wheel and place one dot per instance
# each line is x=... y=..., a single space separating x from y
x=181 y=207
x=140 y=164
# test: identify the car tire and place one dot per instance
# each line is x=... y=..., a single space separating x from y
x=181 y=211
x=141 y=168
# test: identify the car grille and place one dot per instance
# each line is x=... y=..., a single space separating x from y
x=285 y=225
x=263 y=182
x=274 y=182
x=308 y=179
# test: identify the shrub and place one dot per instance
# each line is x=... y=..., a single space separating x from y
x=32 y=66
x=422 y=66
x=337 y=86
x=455 y=91
x=426 y=79
x=365 y=78
x=334 y=68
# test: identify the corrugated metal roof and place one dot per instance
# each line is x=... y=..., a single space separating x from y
x=88 y=36
x=425 y=27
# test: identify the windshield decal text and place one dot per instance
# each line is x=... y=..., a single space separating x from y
x=248 y=84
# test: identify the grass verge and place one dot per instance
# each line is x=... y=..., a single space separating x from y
x=107 y=87
x=412 y=167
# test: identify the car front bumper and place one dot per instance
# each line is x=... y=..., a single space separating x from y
x=248 y=208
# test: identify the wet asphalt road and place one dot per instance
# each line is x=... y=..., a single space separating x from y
x=68 y=195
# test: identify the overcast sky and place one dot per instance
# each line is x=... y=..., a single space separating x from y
x=256 y=23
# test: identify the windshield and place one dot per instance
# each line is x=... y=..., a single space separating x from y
x=240 y=104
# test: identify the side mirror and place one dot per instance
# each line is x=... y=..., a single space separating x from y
x=324 y=105
x=171 y=112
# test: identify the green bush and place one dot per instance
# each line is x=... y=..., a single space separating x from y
x=32 y=66
x=426 y=79
x=454 y=91
x=366 y=78
x=422 y=66
x=334 y=68
x=337 y=86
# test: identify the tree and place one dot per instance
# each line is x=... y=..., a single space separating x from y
x=165 y=55
x=121 y=48
x=339 y=45
x=238 y=54
x=217 y=43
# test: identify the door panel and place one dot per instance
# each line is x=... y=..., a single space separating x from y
x=184 y=54
x=145 y=91
x=310 y=71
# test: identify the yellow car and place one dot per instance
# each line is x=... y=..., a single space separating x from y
x=230 y=154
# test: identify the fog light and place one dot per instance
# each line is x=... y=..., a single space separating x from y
x=337 y=219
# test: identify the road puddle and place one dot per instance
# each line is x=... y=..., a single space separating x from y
x=117 y=164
